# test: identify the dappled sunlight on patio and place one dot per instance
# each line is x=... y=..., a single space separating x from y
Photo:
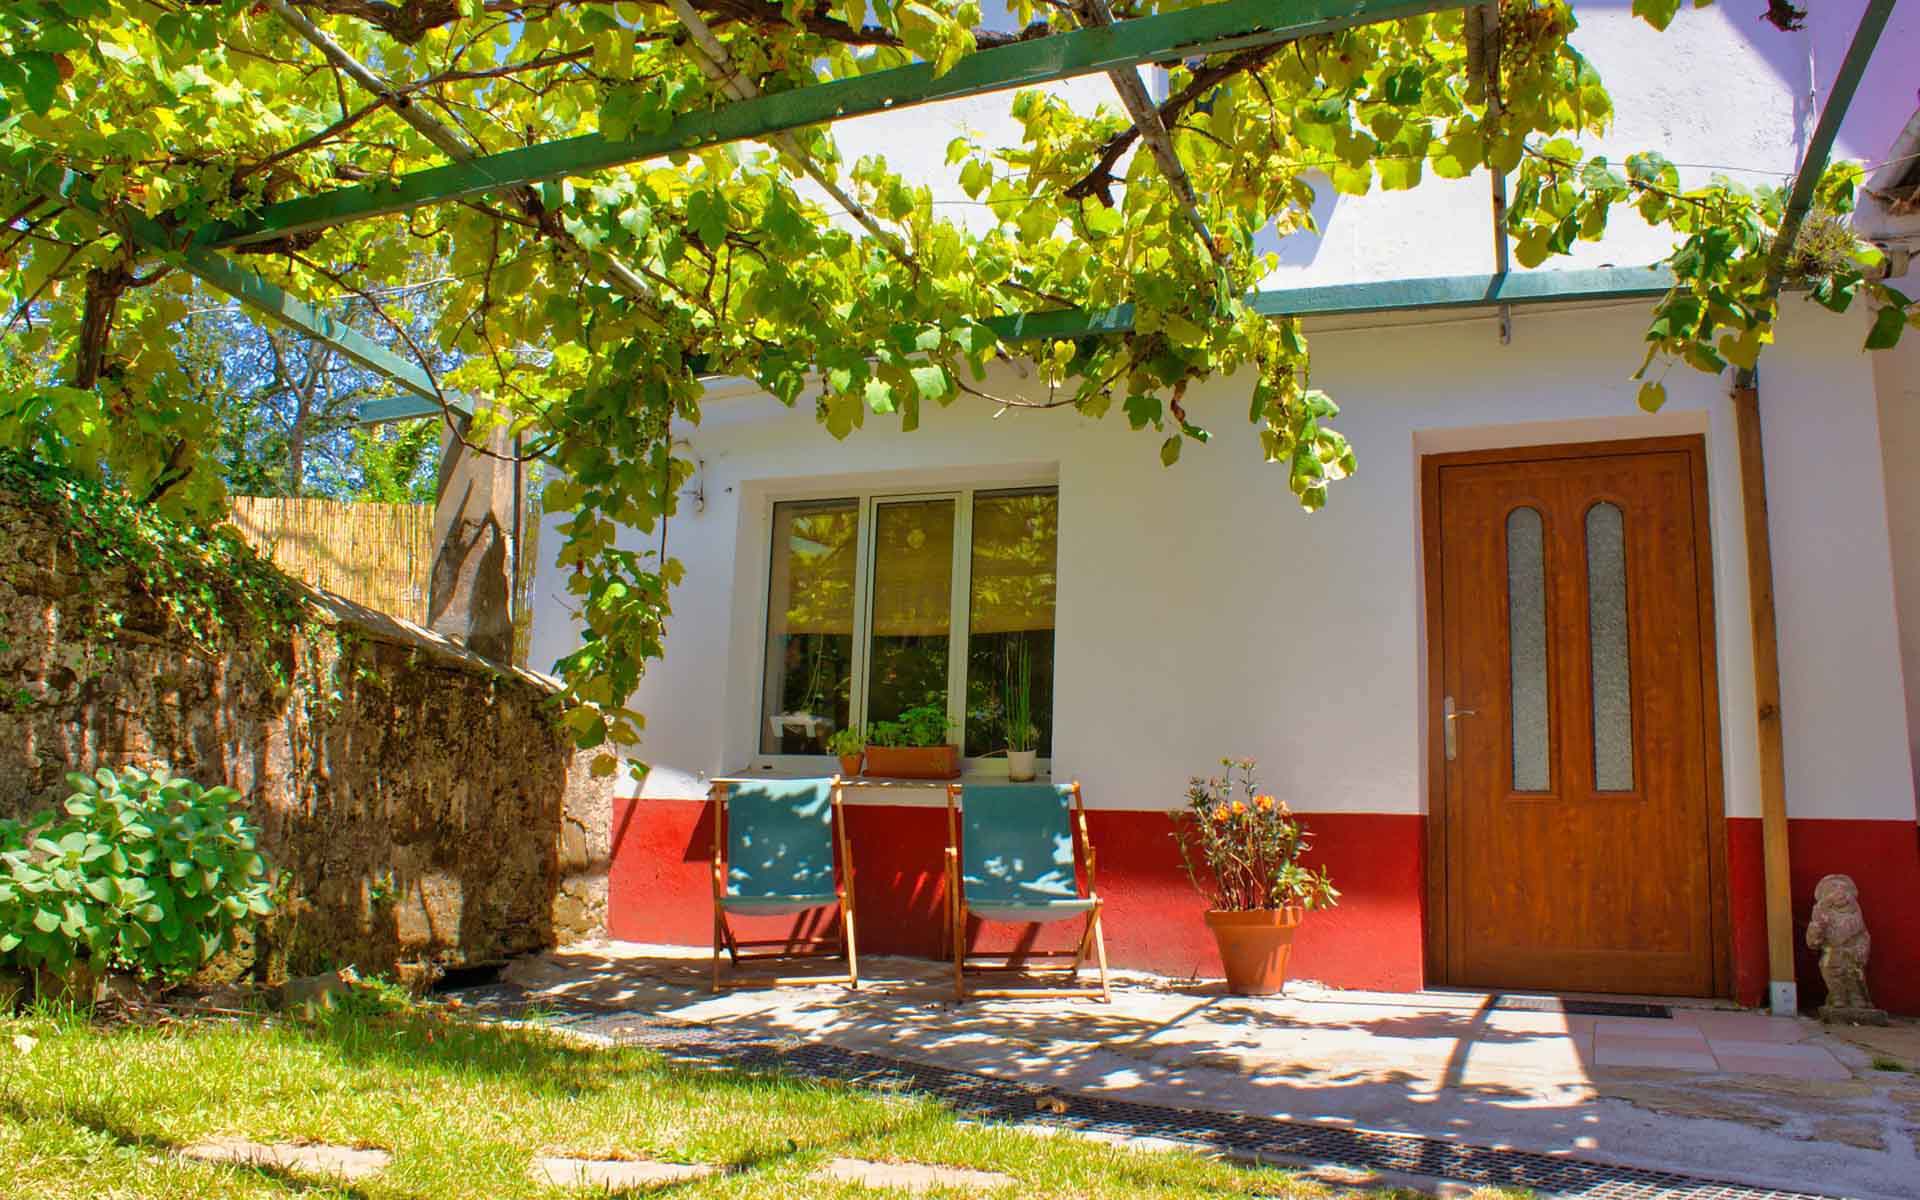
x=1443 y=1064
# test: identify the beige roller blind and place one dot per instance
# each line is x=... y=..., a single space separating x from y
x=913 y=568
x=1016 y=538
x=815 y=562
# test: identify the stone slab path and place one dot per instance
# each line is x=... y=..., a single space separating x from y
x=304 y=1158
x=911 y=1177
x=613 y=1175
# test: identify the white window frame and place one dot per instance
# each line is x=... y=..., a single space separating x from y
x=959 y=613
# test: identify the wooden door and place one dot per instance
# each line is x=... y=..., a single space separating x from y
x=1577 y=776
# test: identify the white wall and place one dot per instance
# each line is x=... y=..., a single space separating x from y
x=1201 y=613
x=1897 y=383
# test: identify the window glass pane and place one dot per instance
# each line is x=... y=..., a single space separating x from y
x=1527 y=649
x=1010 y=618
x=809 y=684
x=1607 y=648
x=912 y=606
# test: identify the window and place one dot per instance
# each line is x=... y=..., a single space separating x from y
x=810 y=625
x=877 y=604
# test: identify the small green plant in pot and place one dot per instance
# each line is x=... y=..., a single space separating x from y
x=848 y=745
x=143 y=872
x=1242 y=848
x=1023 y=736
x=915 y=745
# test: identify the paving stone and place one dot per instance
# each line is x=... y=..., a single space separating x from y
x=1865 y=1134
x=306 y=1158
x=912 y=1177
x=613 y=1175
x=1608 y=1055
x=1686 y=1102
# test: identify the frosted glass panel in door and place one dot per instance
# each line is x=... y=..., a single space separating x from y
x=1527 y=650
x=1607 y=649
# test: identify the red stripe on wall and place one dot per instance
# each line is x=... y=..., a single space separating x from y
x=1883 y=857
x=661 y=891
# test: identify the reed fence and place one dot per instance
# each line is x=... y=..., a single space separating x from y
x=378 y=555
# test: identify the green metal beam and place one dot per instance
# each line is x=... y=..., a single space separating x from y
x=1393 y=295
x=1866 y=37
x=1209 y=29
x=261 y=296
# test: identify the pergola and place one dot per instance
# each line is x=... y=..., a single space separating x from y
x=1106 y=45
x=1116 y=48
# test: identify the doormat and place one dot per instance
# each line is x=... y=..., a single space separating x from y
x=1584 y=1008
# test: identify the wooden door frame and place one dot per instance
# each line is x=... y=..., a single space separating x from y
x=1694 y=446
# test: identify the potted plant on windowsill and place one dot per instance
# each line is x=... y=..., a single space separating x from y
x=847 y=745
x=915 y=746
x=1023 y=736
x=1242 y=848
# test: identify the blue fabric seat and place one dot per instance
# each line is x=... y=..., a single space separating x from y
x=1014 y=861
x=780 y=847
x=1016 y=851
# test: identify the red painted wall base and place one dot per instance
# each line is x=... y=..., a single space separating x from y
x=1883 y=857
x=661 y=891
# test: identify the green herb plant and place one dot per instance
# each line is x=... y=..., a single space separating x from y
x=143 y=872
x=848 y=741
x=923 y=724
x=1022 y=733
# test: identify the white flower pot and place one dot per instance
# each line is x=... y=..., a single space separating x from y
x=1021 y=765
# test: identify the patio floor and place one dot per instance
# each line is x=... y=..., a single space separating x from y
x=1713 y=1091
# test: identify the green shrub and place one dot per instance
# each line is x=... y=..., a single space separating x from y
x=144 y=872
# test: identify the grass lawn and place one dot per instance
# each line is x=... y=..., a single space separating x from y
x=97 y=1111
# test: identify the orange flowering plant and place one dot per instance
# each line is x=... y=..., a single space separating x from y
x=1242 y=847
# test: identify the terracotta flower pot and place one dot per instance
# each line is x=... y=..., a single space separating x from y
x=849 y=766
x=1255 y=947
x=914 y=762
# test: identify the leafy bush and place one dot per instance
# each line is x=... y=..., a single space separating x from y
x=924 y=724
x=145 y=872
x=1247 y=845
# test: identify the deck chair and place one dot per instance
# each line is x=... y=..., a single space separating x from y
x=1010 y=857
x=779 y=847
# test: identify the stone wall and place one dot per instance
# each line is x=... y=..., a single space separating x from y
x=419 y=798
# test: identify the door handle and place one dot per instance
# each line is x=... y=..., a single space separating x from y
x=1449 y=715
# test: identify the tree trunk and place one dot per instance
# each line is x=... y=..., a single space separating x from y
x=105 y=285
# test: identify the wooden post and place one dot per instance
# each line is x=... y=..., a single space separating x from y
x=470 y=593
x=1783 y=992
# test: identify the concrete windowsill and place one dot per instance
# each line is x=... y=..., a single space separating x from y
x=904 y=793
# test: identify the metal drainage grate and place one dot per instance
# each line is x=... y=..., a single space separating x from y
x=1265 y=1139
x=1583 y=1008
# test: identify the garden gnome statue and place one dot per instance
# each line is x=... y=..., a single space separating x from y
x=1839 y=932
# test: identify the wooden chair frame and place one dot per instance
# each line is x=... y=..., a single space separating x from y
x=1015 y=962
x=743 y=951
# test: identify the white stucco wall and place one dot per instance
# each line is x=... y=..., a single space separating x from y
x=1897 y=384
x=1201 y=613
